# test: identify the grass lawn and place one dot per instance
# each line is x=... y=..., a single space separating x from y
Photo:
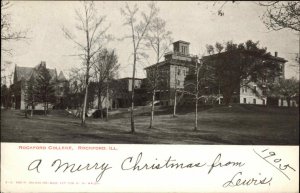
x=239 y=124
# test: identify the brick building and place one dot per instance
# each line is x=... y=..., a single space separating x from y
x=171 y=72
x=23 y=74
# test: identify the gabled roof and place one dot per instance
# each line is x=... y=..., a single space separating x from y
x=61 y=76
x=23 y=73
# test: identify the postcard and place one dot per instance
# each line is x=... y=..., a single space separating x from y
x=167 y=96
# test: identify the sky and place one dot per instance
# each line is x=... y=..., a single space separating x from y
x=195 y=22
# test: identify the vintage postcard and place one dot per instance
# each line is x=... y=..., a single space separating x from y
x=141 y=96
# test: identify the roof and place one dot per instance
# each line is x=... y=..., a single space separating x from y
x=170 y=62
x=265 y=56
x=131 y=78
x=23 y=73
x=180 y=41
x=61 y=76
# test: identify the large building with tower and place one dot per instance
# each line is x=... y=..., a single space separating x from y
x=171 y=74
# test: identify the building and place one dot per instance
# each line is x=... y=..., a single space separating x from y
x=121 y=92
x=23 y=74
x=171 y=72
x=252 y=92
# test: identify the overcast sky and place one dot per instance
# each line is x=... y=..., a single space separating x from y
x=195 y=22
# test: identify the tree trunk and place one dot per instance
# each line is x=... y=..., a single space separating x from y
x=175 y=103
x=152 y=109
x=132 y=95
x=45 y=109
x=175 y=93
x=100 y=103
x=31 y=114
x=99 y=99
x=196 y=114
x=107 y=102
x=84 y=106
x=26 y=111
x=288 y=100
x=196 y=97
x=227 y=95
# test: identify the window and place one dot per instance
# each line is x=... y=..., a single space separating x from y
x=254 y=101
x=178 y=72
x=245 y=100
x=254 y=88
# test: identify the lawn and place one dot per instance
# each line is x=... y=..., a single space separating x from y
x=239 y=124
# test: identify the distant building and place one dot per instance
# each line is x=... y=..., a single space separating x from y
x=251 y=93
x=171 y=72
x=23 y=74
x=121 y=92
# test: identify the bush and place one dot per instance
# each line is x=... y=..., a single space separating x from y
x=98 y=113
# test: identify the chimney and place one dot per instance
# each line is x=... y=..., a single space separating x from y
x=276 y=54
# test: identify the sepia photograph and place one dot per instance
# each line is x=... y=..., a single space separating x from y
x=142 y=72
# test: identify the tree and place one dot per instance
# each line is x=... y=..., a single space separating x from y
x=30 y=95
x=92 y=29
x=76 y=89
x=287 y=89
x=219 y=47
x=277 y=15
x=210 y=49
x=5 y=96
x=44 y=88
x=282 y=14
x=105 y=70
x=138 y=34
x=197 y=84
x=159 y=39
x=8 y=33
x=241 y=64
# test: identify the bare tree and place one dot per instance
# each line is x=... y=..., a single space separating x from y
x=8 y=34
x=191 y=87
x=197 y=84
x=138 y=34
x=159 y=39
x=282 y=14
x=105 y=70
x=91 y=25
